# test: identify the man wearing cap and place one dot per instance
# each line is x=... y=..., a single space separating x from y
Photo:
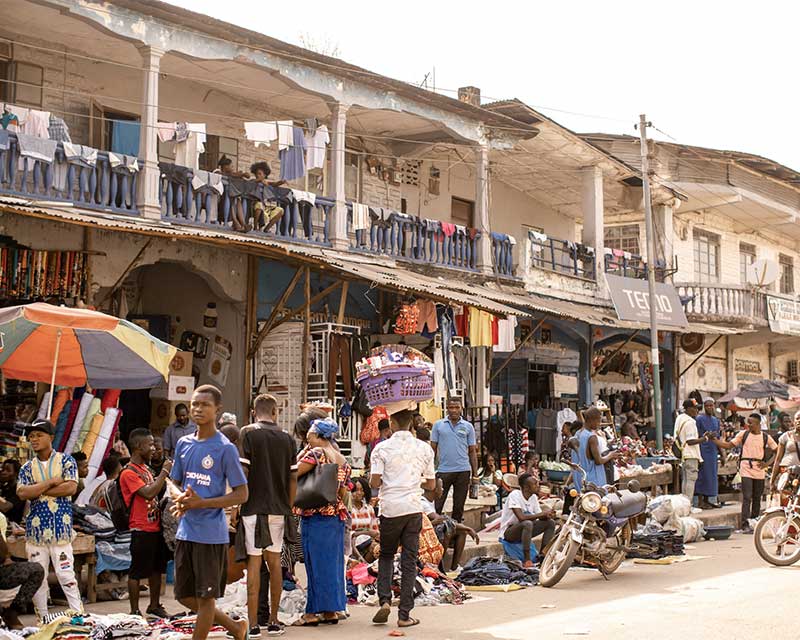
x=707 y=485
x=49 y=481
x=688 y=441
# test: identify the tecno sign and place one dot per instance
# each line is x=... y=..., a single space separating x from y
x=632 y=301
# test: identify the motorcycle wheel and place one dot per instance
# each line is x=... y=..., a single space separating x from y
x=784 y=551
x=615 y=558
x=558 y=560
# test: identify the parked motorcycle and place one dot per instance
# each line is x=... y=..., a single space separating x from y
x=777 y=534
x=598 y=531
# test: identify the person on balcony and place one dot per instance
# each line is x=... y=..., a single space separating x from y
x=266 y=211
x=236 y=189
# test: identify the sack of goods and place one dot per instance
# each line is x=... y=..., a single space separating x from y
x=395 y=373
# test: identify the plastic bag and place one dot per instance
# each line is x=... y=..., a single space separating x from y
x=661 y=509
x=691 y=529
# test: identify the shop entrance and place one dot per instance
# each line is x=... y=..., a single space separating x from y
x=539 y=396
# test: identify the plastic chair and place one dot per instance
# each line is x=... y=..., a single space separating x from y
x=514 y=550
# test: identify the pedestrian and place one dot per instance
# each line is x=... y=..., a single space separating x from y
x=757 y=448
x=453 y=441
x=322 y=530
x=10 y=503
x=523 y=518
x=157 y=460
x=49 y=481
x=83 y=471
x=688 y=441
x=788 y=451
x=140 y=491
x=183 y=426
x=589 y=454
x=26 y=576
x=205 y=465
x=707 y=485
x=401 y=467
x=111 y=469
x=384 y=433
x=268 y=454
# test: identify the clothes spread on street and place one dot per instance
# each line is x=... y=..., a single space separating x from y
x=293 y=157
x=486 y=571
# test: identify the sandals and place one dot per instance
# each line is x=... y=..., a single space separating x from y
x=411 y=622
x=382 y=615
x=308 y=622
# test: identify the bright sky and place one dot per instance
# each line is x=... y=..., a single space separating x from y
x=706 y=72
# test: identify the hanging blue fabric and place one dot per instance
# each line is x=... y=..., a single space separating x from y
x=125 y=138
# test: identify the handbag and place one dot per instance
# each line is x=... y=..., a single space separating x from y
x=319 y=487
x=361 y=404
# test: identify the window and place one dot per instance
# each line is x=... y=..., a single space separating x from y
x=21 y=83
x=216 y=147
x=747 y=256
x=787 y=274
x=462 y=212
x=623 y=238
x=706 y=256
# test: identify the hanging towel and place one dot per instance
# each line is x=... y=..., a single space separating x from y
x=202 y=179
x=304 y=196
x=448 y=228
x=261 y=132
x=285 y=134
x=125 y=137
x=166 y=131
x=360 y=216
x=36 y=148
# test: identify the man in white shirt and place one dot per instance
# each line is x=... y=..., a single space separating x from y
x=689 y=443
x=523 y=519
x=400 y=467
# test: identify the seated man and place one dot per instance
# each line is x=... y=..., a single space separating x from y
x=523 y=519
x=26 y=576
x=450 y=533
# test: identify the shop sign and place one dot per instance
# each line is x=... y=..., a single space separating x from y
x=631 y=299
x=783 y=316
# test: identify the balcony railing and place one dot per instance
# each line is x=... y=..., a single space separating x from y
x=630 y=265
x=561 y=256
x=406 y=237
x=503 y=253
x=731 y=303
x=89 y=181
x=189 y=201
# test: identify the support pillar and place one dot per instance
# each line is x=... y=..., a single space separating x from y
x=338 y=224
x=149 y=181
x=482 y=222
x=665 y=235
x=592 y=206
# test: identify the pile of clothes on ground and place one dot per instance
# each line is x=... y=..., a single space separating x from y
x=112 y=547
x=484 y=571
x=673 y=513
x=291 y=609
x=432 y=587
x=656 y=545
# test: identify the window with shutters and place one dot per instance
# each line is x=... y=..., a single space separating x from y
x=787 y=274
x=623 y=238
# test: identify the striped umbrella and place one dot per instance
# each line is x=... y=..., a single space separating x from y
x=74 y=347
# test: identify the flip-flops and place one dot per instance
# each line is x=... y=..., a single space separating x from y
x=411 y=622
x=382 y=615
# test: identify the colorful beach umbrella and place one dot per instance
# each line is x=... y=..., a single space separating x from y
x=74 y=347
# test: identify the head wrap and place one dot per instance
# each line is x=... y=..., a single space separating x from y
x=708 y=399
x=325 y=428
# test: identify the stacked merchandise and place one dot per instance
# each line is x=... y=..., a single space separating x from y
x=18 y=401
x=484 y=571
x=659 y=544
x=432 y=587
x=26 y=274
x=395 y=374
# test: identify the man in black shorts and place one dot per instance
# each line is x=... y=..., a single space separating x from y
x=149 y=552
x=205 y=464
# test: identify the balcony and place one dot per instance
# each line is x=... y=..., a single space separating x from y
x=561 y=256
x=630 y=265
x=730 y=304
x=88 y=178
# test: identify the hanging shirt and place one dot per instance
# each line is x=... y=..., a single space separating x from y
x=427 y=317
x=285 y=134
x=58 y=129
x=360 y=216
x=262 y=133
x=480 y=328
x=37 y=123
x=125 y=137
x=293 y=158
x=315 y=143
x=506 y=328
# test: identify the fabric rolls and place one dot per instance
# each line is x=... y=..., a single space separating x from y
x=104 y=439
x=91 y=436
x=42 y=413
x=77 y=423
x=110 y=399
x=62 y=396
x=94 y=409
x=61 y=425
x=73 y=412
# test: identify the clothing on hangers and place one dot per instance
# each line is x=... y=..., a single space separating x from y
x=339 y=352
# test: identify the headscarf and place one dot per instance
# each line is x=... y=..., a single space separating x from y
x=709 y=399
x=325 y=428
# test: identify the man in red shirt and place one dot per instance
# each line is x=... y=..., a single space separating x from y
x=149 y=552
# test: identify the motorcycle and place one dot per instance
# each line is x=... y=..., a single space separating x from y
x=598 y=531
x=777 y=534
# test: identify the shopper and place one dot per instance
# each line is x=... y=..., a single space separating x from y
x=589 y=455
x=707 y=485
x=157 y=460
x=27 y=576
x=401 y=467
x=322 y=530
x=384 y=433
x=688 y=441
x=10 y=503
x=268 y=454
x=183 y=426
x=140 y=491
x=83 y=471
x=111 y=469
x=49 y=481
x=523 y=519
x=788 y=451
x=453 y=441
x=205 y=464
x=757 y=448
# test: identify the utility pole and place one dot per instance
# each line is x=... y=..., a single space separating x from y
x=651 y=281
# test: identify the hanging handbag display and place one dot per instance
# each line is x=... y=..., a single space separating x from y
x=319 y=487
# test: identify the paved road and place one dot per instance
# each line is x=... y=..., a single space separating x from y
x=728 y=594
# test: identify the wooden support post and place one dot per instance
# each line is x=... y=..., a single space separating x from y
x=343 y=302
x=125 y=273
x=306 y=334
x=314 y=299
x=702 y=353
x=522 y=343
x=250 y=324
x=87 y=247
x=279 y=305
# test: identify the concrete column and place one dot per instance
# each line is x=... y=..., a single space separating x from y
x=149 y=175
x=665 y=235
x=338 y=225
x=482 y=222
x=592 y=205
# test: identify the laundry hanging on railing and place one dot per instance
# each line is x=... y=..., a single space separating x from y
x=304 y=196
x=36 y=148
x=190 y=142
x=58 y=129
x=316 y=142
x=361 y=216
x=207 y=179
x=31 y=122
x=74 y=154
x=293 y=157
x=121 y=162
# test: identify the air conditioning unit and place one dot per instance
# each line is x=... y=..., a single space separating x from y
x=792 y=373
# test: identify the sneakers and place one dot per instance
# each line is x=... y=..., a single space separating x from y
x=275 y=629
x=255 y=632
x=157 y=612
x=747 y=530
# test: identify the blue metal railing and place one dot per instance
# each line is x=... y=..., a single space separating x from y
x=562 y=256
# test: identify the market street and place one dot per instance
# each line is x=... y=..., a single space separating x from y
x=638 y=602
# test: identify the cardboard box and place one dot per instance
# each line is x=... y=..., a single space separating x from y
x=181 y=364
x=162 y=413
x=179 y=388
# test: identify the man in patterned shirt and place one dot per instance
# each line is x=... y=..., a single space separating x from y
x=49 y=481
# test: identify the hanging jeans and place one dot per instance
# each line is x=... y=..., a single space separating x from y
x=339 y=357
x=463 y=360
x=446 y=327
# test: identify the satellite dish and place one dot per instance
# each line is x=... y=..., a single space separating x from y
x=762 y=272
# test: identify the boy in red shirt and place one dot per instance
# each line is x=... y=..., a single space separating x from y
x=149 y=552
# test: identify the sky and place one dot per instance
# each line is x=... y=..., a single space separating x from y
x=708 y=73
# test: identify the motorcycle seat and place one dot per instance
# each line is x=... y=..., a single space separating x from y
x=625 y=504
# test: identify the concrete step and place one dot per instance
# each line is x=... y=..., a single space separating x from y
x=730 y=515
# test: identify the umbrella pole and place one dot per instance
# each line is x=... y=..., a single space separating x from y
x=53 y=377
